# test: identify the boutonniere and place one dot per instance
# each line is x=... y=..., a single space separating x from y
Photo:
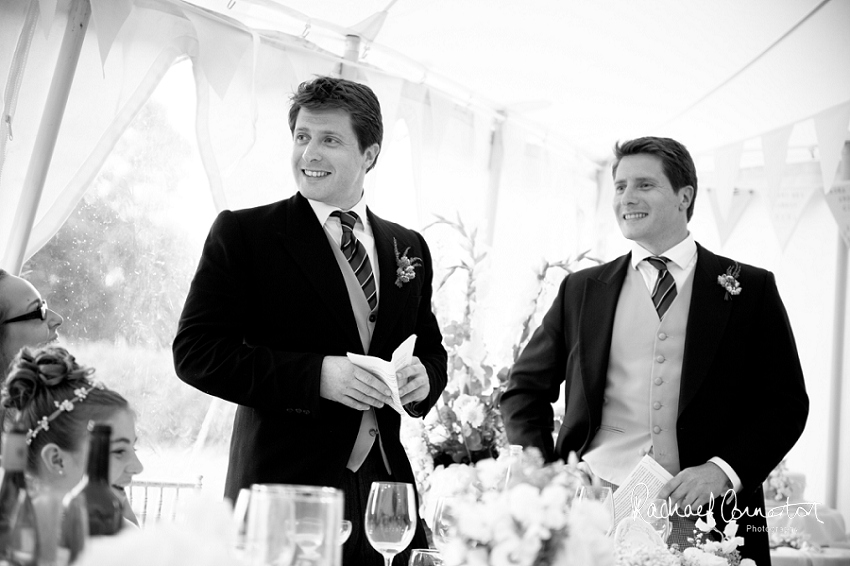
x=729 y=281
x=404 y=265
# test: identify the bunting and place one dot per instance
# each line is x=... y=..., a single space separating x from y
x=726 y=220
x=727 y=164
x=221 y=47
x=108 y=17
x=831 y=130
x=838 y=199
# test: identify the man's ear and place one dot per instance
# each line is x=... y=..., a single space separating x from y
x=53 y=459
x=686 y=197
x=371 y=154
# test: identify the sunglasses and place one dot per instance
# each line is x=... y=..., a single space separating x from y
x=40 y=313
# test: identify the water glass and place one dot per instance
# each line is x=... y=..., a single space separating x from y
x=294 y=524
x=422 y=557
x=603 y=495
x=657 y=515
x=444 y=523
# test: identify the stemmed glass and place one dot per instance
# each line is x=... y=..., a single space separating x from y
x=309 y=535
x=390 y=518
x=657 y=515
x=444 y=522
x=420 y=557
x=603 y=495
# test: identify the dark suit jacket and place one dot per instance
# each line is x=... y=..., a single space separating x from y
x=742 y=394
x=267 y=303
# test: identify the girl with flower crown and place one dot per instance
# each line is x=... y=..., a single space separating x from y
x=55 y=398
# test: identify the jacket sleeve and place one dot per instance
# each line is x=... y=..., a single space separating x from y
x=534 y=383
x=429 y=340
x=210 y=349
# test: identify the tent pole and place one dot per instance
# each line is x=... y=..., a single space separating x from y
x=497 y=156
x=352 y=53
x=833 y=442
x=48 y=130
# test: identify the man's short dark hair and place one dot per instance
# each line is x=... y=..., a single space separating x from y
x=323 y=93
x=676 y=162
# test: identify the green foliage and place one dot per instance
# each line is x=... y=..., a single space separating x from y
x=115 y=271
x=169 y=412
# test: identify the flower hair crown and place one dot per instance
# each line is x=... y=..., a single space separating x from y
x=67 y=405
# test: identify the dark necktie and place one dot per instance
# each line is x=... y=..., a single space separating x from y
x=665 y=287
x=357 y=257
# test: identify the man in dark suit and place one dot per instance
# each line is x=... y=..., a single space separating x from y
x=284 y=291
x=659 y=356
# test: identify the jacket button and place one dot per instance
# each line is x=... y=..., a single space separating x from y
x=662 y=336
x=656 y=429
x=656 y=405
x=658 y=381
x=372 y=318
x=659 y=359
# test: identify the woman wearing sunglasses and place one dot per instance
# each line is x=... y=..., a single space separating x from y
x=25 y=319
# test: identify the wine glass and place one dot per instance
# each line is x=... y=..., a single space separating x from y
x=422 y=557
x=344 y=531
x=603 y=495
x=656 y=514
x=444 y=522
x=390 y=518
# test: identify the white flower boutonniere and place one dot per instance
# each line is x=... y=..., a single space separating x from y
x=404 y=265
x=729 y=281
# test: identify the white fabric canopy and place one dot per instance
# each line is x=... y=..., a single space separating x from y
x=498 y=111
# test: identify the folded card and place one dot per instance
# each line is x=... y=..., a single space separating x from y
x=385 y=371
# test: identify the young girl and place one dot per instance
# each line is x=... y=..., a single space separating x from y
x=55 y=398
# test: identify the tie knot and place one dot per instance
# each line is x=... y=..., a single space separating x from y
x=658 y=262
x=347 y=219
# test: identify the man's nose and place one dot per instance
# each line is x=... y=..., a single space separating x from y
x=311 y=152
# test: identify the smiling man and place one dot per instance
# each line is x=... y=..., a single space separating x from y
x=284 y=291
x=663 y=356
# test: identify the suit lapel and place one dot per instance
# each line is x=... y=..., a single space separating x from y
x=391 y=298
x=707 y=319
x=596 y=325
x=305 y=240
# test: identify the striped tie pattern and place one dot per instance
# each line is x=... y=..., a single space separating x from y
x=357 y=257
x=665 y=286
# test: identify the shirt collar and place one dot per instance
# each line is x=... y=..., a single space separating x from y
x=323 y=210
x=681 y=254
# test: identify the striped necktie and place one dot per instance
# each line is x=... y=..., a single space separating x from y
x=665 y=286
x=357 y=257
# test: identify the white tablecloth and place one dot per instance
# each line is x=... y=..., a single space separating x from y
x=827 y=557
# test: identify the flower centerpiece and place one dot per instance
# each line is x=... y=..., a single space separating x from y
x=723 y=552
x=519 y=511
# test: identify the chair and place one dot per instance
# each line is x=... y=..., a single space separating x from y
x=155 y=501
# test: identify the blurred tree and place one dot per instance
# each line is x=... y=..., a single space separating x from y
x=118 y=270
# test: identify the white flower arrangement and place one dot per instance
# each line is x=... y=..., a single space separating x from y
x=518 y=511
x=723 y=552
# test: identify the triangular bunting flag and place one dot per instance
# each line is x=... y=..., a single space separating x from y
x=831 y=129
x=786 y=208
x=774 y=146
x=838 y=199
x=46 y=15
x=108 y=17
x=727 y=220
x=220 y=49
x=727 y=163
